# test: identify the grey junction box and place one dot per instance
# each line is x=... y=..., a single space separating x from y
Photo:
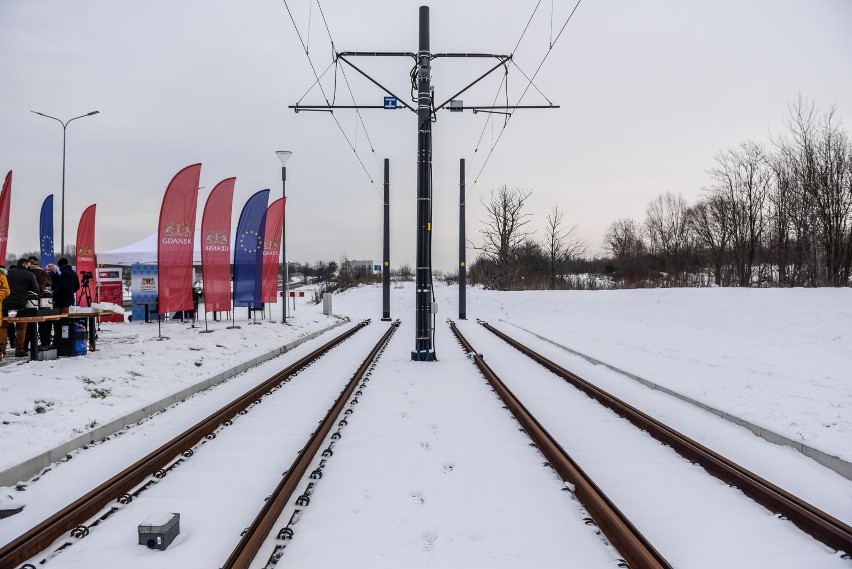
x=159 y=530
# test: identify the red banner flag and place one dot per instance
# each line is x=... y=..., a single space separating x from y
x=271 y=250
x=86 y=254
x=216 y=247
x=5 y=202
x=175 y=240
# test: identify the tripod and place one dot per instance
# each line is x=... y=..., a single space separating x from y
x=85 y=292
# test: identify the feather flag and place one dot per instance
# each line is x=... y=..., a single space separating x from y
x=248 y=251
x=175 y=240
x=45 y=231
x=272 y=249
x=216 y=246
x=5 y=203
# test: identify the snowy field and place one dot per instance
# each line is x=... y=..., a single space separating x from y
x=44 y=404
x=780 y=358
x=433 y=473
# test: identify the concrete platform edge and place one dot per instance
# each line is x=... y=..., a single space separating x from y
x=29 y=468
x=835 y=463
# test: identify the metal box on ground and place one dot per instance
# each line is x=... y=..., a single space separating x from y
x=326 y=303
x=46 y=354
x=159 y=530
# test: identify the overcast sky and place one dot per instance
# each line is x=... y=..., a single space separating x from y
x=649 y=92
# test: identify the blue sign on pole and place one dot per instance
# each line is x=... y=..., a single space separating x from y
x=390 y=102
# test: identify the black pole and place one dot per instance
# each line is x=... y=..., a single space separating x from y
x=462 y=267
x=423 y=349
x=206 y=331
x=62 y=237
x=284 y=283
x=386 y=249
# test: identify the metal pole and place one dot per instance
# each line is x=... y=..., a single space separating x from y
x=386 y=249
x=284 y=289
x=423 y=349
x=462 y=267
x=62 y=236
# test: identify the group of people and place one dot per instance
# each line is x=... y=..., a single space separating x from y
x=26 y=281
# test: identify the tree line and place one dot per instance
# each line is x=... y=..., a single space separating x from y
x=773 y=214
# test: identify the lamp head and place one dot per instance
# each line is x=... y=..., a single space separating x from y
x=283 y=155
x=92 y=113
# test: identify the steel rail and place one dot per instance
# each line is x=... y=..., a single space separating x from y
x=253 y=539
x=635 y=549
x=44 y=534
x=810 y=519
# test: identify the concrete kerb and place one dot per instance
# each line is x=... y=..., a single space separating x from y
x=835 y=463
x=29 y=468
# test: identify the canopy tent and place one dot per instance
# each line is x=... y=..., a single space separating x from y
x=145 y=251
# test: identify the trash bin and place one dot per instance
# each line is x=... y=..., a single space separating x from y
x=72 y=339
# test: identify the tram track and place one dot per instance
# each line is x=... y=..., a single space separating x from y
x=808 y=518
x=94 y=507
x=634 y=548
x=254 y=537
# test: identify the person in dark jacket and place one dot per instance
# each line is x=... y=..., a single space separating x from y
x=45 y=283
x=22 y=285
x=65 y=287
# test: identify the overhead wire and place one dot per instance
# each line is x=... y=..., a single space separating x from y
x=526 y=89
x=503 y=81
x=325 y=97
x=351 y=93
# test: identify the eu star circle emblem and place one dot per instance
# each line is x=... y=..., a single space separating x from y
x=249 y=241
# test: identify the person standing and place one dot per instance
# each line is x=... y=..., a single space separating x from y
x=65 y=287
x=22 y=284
x=4 y=292
x=45 y=291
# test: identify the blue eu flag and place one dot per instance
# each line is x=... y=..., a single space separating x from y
x=248 y=251
x=46 y=231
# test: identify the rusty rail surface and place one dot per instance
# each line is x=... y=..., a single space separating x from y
x=251 y=542
x=636 y=551
x=810 y=519
x=44 y=534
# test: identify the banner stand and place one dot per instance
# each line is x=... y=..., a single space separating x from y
x=233 y=325
x=206 y=331
x=253 y=312
x=160 y=336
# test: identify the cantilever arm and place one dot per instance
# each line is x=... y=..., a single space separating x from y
x=376 y=83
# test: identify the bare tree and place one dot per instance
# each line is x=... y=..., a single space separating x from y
x=503 y=230
x=708 y=226
x=814 y=182
x=562 y=243
x=741 y=180
x=667 y=229
x=624 y=240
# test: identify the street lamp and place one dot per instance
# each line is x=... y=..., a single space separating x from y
x=64 y=126
x=284 y=155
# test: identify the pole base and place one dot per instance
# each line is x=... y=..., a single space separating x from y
x=423 y=356
x=386 y=318
x=207 y=331
x=462 y=316
x=234 y=328
x=255 y=323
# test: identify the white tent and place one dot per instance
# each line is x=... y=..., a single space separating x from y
x=144 y=251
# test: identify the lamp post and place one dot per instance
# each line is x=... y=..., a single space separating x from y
x=284 y=155
x=64 y=127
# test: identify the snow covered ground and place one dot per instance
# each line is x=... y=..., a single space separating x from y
x=44 y=404
x=452 y=482
x=780 y=358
